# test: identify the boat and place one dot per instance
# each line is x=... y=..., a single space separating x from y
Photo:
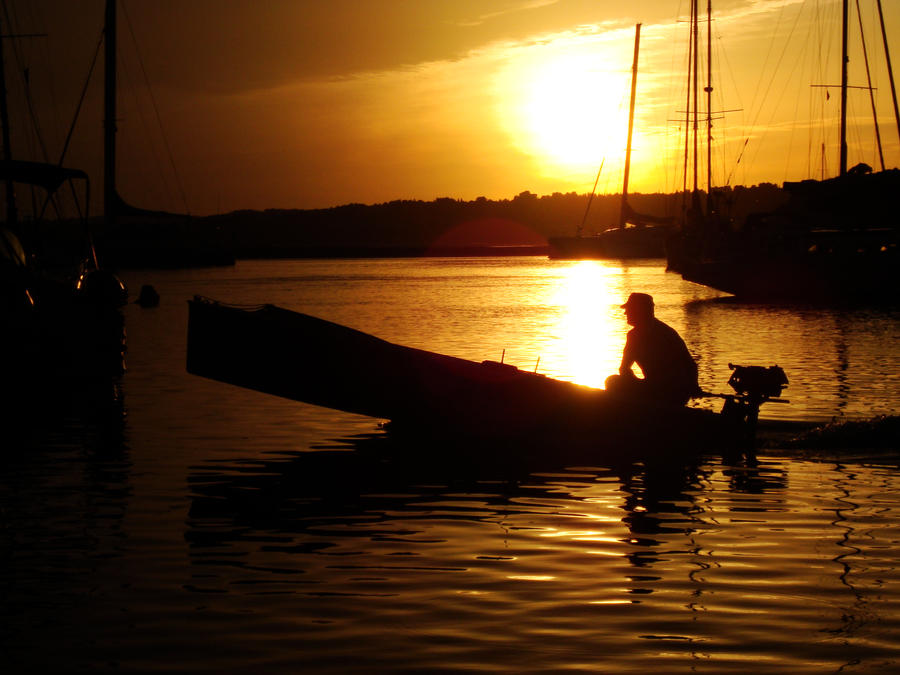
x=836 y=240
x=60 y=305
x=135 y=237
x=635 y=235
x=304 y=358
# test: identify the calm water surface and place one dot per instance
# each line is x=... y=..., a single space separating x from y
x=199 y=527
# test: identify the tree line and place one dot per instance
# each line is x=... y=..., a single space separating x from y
x=416 y=226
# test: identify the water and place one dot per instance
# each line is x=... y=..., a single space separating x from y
x=205 y=528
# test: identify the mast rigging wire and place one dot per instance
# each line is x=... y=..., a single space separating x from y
x=591 y=198
x=156 y=110
x=862 y=36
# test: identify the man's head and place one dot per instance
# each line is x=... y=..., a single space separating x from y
x=638 y=308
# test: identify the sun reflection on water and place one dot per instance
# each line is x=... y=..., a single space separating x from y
x=591 y=328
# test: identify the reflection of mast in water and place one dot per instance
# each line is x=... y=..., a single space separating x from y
x=859 y=614
x=843 y=363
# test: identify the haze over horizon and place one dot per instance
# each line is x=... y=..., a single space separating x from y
x=289 y=104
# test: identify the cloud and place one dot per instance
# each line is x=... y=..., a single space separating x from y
x=302 y=103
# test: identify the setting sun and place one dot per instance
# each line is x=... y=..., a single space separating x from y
x=576 y=113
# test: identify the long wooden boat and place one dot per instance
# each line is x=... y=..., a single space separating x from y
x=304 y=358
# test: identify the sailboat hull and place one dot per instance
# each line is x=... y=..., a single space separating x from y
x=620 y=243
x=834 y=241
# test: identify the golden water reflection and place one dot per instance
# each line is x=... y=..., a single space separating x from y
x=590 y=329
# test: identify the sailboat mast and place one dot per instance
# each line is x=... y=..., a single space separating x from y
x=687 y=114
x=11 y=214
x=623 y=214
x=695 y=26
x=862 y=37
x=887 y=56
x=109 y=108
x=708 y=91
x=844 y=59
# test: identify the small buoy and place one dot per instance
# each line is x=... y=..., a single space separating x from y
x=148 y=297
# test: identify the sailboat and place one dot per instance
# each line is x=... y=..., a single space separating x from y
x=635 y=236
x=834 y=241
x=139 y=237
x=59 y=304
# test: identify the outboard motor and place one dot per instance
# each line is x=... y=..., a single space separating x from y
x=754 y=385
x=758 y=382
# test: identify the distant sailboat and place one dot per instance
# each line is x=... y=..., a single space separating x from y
x=632 y=237
x=836 y=240
x=134 y=236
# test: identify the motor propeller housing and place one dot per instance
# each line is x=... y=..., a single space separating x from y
x=759 y=382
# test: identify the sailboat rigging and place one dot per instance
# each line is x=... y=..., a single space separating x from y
x=620 y=241
x=835 y=240
x=137 y=237
x=59 y=305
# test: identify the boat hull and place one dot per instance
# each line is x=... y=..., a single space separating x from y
x=835 y=241
x=618 y=243
x=307 y=359
x=859 y=279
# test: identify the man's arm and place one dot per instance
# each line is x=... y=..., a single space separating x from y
x=627 y=357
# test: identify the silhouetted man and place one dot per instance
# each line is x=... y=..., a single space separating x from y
x=670 y=374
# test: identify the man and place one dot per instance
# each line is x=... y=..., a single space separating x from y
x=670 y=373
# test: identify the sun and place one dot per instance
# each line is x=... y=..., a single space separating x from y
x=574 y=111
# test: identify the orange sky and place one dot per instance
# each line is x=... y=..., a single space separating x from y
x=304 y=104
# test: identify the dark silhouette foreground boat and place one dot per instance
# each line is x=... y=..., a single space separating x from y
x=304 y=358
x=59 y=307
x=59 y=300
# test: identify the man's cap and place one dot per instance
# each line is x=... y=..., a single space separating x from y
x=639 y=300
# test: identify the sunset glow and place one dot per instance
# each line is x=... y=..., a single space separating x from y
x=573 y=112
x=310 y=107
x=590 y=329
